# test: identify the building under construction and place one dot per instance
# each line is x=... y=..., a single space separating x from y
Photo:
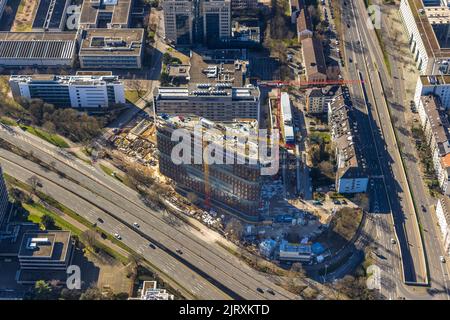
x=235 y=186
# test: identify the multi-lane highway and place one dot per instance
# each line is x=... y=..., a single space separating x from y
x=361 y=45
x=220 y=268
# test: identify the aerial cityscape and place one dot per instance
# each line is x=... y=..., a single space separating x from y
x=224 y=150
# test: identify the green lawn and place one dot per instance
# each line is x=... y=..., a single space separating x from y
x=37 y=211
x=133 y=95
x=49 y=137
x=8 y=121
x=110 y=172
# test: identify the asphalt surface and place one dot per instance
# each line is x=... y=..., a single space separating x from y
x=210 y=261
x=394 y=89
x=368 y=59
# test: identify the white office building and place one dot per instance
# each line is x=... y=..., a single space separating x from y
x=217 y=102
x=80 y=92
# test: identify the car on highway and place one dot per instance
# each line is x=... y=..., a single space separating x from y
x=117 y=236
x=100 y=220
x=442 y=259
x=393 y=241
x=151 y=245
x=179 y=251
x=260 y=290
x=136 y=225
x=270 y=291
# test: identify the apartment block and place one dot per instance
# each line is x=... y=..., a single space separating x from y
x=217 y=102
x=351 y=174
x=80 y=92
x=443 y=217
x=234 y=186
x=111 y=48
x=314 y=60
x=435 y=124
x=317 y=99
x=427 y=24
x=437 y=85
x=304 y=24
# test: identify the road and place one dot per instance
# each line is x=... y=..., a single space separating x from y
x=208 y=259
x=368 y=60
x=389 y=189
x=394 y=89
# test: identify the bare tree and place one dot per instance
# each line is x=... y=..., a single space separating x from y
x=89 y=237
x=34 y=183
x=235 y=229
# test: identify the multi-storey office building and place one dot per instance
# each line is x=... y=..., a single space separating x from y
x=195 y=21
x=217 y=102
x=81 y=92
x=216 y=20
x=236 y=185
x=105 y=13
x=2 y=7
x=179 y=21
x=3 y=197
x=37 y=49
x=111 y=48
x=46 y=250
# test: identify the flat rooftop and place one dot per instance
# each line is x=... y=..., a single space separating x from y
x=112 y=42
x=439 y=124
x=435 y=80
x=43 y=45
x=426 y=30
x=118 y=9
x=47 y=245
x=208 y=90
x=202 y=69
x=71 y=80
